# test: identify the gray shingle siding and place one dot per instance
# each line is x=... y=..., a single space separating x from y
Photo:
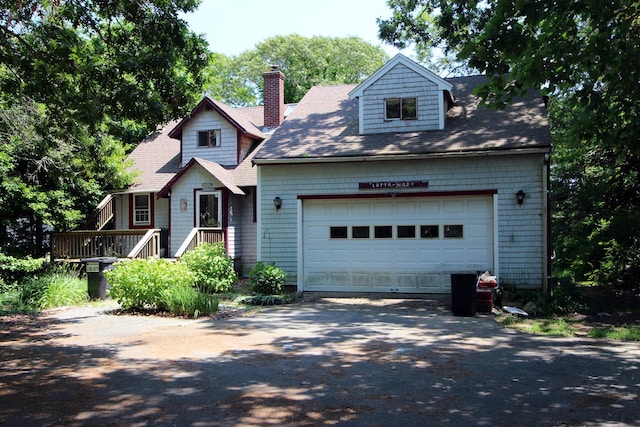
x=400 y=82
x=520 y=227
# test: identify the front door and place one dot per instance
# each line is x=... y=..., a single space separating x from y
x=209 y=209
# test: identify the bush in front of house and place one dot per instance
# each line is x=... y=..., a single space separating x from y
x=139 y=284
x=211 y=267
x=13 y=271
x=267 y=279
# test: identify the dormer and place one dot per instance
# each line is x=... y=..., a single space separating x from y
x=215 y=132
x=402 y=96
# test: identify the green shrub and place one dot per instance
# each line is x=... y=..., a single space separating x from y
x=140 y=283
x=56 y=289
x=267 y=279
x=186 y=301
x=211 y=267
x=14 y=271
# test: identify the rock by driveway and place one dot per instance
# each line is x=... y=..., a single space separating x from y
x=332 y=361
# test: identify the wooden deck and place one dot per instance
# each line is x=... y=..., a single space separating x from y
x=77 y=245
x=111 y=243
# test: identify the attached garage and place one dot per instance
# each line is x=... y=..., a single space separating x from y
x=394 y=244
x=397 y=183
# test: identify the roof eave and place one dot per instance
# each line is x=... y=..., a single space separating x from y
x=420 y=156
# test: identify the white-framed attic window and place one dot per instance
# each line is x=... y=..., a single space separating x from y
x=401 y=108
x=209 y=138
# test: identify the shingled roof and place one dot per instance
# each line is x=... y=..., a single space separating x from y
x=156 y=159
x=324 y=126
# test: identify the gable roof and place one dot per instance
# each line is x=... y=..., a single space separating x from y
x=389 y=65
x=157 y=158
x=225 y=176
x=234 y=116
x=324 y=127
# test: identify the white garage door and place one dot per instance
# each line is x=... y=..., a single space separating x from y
x=395 y=245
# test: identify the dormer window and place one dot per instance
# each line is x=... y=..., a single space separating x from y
x=209 y=138
x=401 y=108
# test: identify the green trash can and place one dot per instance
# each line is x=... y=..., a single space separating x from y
x=97 y=284
x=463 y=294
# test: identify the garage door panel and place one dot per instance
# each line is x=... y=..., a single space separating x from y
x=420 y=264
x=430 y=208
x=362 y=280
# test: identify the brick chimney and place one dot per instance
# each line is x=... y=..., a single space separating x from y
x=273 y=97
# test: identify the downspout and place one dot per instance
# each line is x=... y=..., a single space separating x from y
x=168 y=254
x=258 y=208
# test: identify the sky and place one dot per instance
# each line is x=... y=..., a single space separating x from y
x=234 y=26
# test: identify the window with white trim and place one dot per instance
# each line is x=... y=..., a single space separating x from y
x=401 y=108
x=209 y=208
x=141 y=209
x=209 y=138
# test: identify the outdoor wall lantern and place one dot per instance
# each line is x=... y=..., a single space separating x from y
x=277 y=202
x=520 y=195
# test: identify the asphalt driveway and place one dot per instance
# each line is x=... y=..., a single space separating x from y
x=371 y=362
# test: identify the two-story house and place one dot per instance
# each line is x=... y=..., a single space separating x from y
x=388 y=186
x=196 y=181
x=397 y=183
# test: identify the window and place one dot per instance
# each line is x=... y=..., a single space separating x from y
x=429 y=231
x=338 y=232
x=406 y=232
x=401 y=108
x=453 y=231
x=209 y=138
x=209 y=208
x=360 y=232
x=141 y=209
x=383 y=232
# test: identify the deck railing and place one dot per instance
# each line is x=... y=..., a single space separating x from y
x=197 y=236
x=113 y=243
x=148 y=246
x=104 y=211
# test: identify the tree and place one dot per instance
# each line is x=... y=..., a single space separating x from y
x=81 y=80
x=223 y=83
x=585 y=55
x=307 y=62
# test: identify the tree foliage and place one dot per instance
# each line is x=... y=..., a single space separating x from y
x=585 y=55
x=306 y=62
x=80 y=80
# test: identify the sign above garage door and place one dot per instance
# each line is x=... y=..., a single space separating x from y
x=392 y=185
x=406 y=244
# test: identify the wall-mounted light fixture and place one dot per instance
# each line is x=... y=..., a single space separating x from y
x=277 y=202
x=520 y=196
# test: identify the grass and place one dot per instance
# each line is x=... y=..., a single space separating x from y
x=42 y=292
x=601 y=314
x=187 y=301
x=621 y=333
x=561 y=327
x=56 y=289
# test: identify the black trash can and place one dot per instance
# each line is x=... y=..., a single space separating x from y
x=97 y=282
x=463 y=294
